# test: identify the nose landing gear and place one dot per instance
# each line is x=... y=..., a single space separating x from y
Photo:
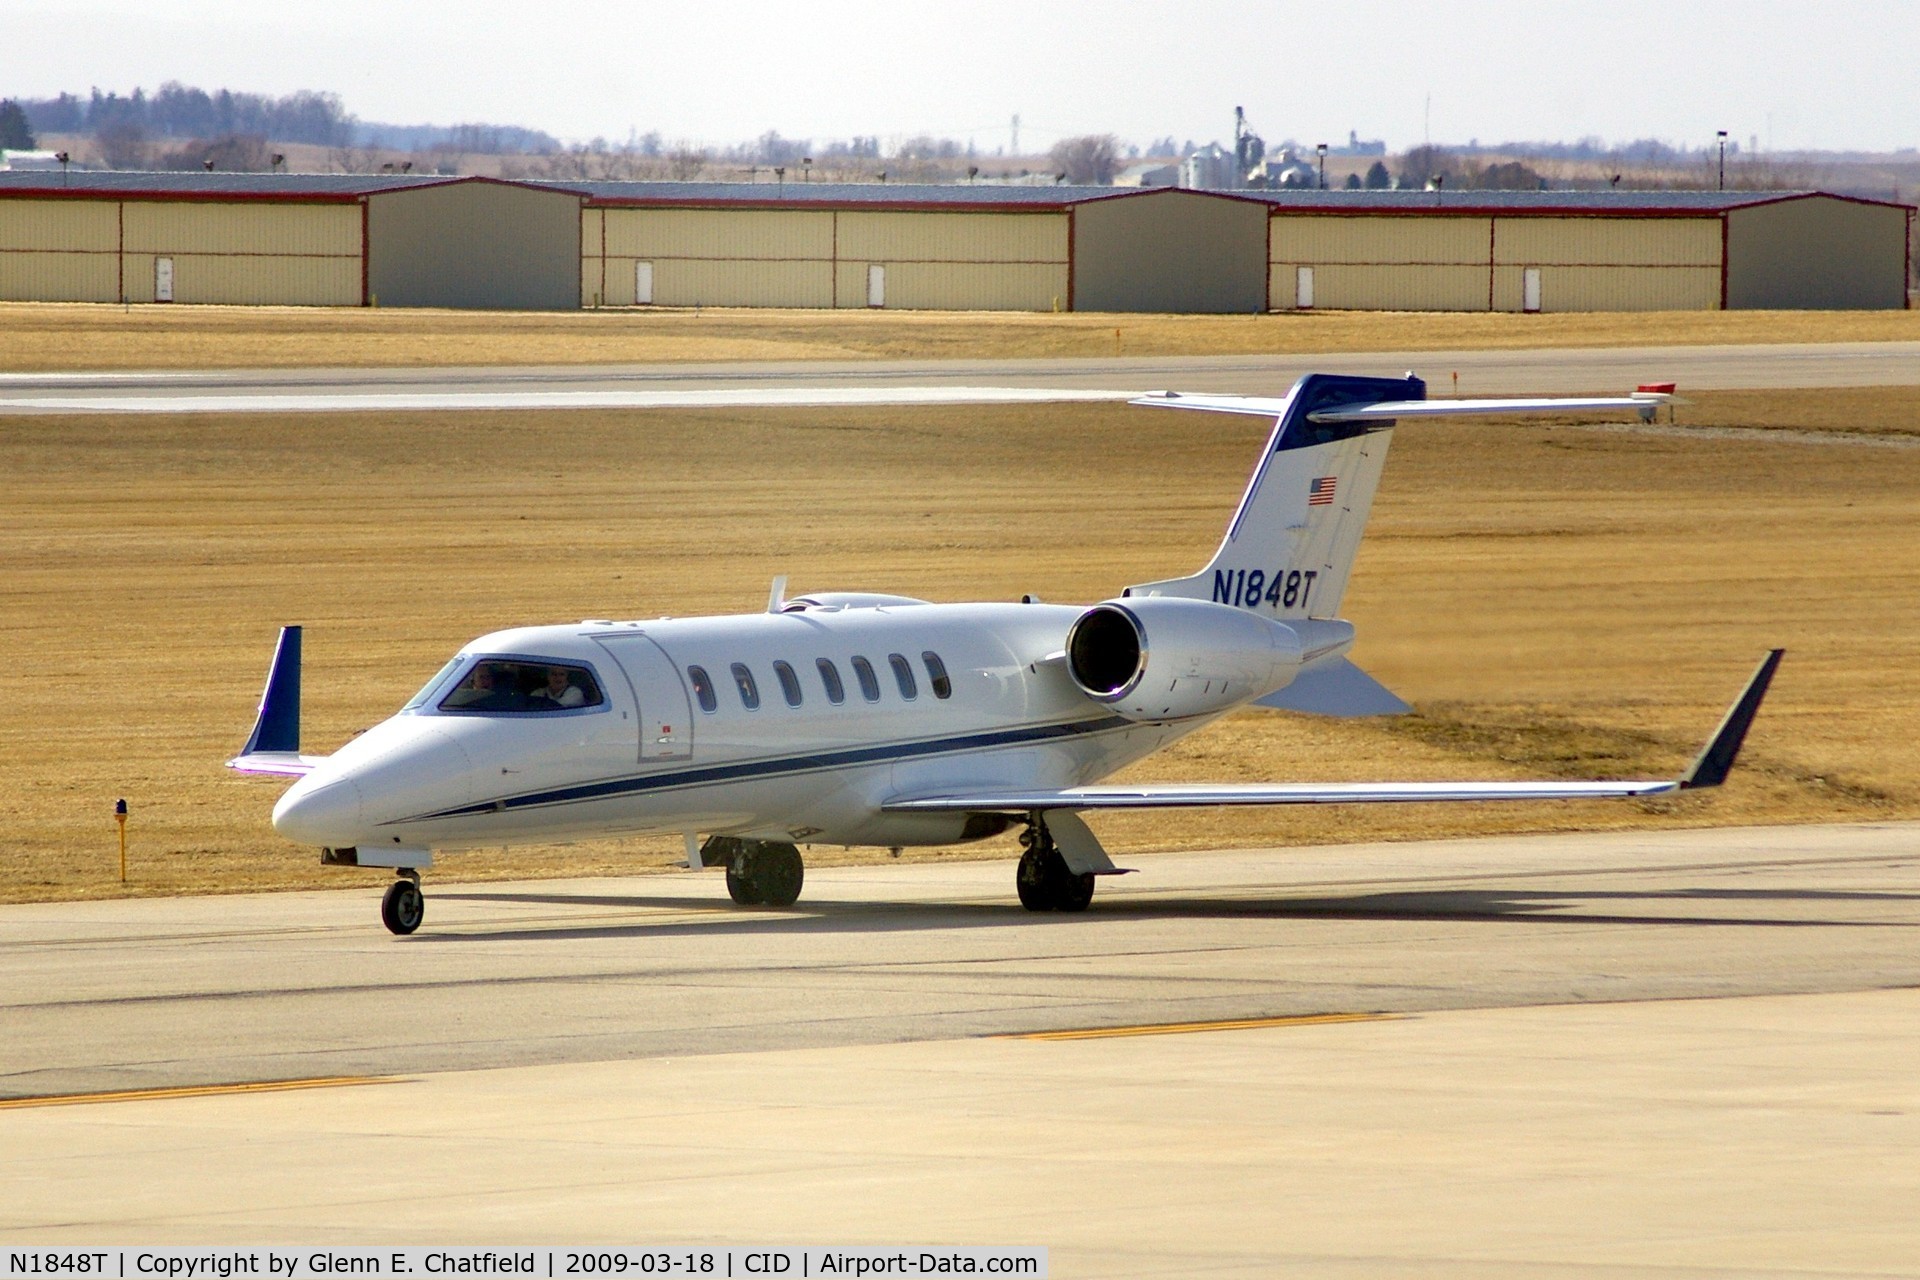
x=404 y=906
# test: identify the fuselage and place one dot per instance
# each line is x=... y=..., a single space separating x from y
x=791 y=726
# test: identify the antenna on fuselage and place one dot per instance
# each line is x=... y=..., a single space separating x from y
x=777 y=598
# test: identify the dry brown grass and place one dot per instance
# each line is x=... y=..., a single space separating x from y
x=1554 y=599
x=53 y=337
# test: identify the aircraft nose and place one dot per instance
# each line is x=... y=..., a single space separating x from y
x=328 y=815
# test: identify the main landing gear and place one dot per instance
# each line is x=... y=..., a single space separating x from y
x=1043 y=880
x=764 y=873
x=404 y=906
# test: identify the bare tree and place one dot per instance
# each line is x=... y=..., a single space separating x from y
x=1089 y=160
x=1424 y=165
x=686 y=162
x=234 y=153
x=352 y=159
x=123 y=145
x=1508 y=175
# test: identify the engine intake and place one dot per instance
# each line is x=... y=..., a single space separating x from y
x=1166 y=658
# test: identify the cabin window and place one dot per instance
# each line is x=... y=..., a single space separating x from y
x=903 y=675
x=830 y=679
x=749 y=691
x=523 y=685
x=789 y=683
x=937 y=675
x=703 y=688
x=869 y=682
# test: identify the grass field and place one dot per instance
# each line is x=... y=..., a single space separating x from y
x=39 y=337
x=1555 y=600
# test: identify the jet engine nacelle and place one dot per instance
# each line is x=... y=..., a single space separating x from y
x=1166 y=658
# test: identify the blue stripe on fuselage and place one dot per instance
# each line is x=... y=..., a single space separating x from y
x=785 y=765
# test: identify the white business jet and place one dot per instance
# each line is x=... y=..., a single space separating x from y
x=855 y=719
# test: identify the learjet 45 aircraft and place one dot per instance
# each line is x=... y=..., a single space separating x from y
x=856 y=719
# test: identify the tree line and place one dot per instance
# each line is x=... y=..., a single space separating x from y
x=176 y=110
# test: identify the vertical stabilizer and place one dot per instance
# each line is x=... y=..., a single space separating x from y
x=1290 y=547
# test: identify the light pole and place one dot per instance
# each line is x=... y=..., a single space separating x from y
x=1322 y=149
x=1723 y=159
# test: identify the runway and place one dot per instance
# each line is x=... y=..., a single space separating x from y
x=1552 y=371
x=1637 y=1054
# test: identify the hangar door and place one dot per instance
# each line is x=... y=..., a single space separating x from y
x=476 y=244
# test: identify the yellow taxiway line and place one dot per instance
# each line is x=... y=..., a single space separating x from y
x=193 y=1091
x=1185 y=1028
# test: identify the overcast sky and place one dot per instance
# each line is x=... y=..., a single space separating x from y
x=1787 y=73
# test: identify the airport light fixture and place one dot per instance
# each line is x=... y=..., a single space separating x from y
x=1723 y=159
x=1322 y=149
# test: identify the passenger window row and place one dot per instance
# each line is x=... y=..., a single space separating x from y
x=748 y=690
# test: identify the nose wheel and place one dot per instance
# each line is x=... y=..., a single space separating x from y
x=404 y=906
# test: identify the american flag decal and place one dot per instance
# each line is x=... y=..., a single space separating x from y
x=1321 y=494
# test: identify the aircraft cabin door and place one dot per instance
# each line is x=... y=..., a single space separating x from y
x=666 y=716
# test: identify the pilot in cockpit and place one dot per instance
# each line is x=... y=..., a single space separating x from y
x=558 y=691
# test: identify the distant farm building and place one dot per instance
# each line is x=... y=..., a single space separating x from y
x=399 y=240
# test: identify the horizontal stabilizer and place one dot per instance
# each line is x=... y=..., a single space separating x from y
x=1640 y=402
x=1386 y=411
x=1336 y=688
x=1262 y=406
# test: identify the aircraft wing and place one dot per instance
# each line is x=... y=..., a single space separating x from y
x=1198 y=795
x=1709 y=769
x=288 y=764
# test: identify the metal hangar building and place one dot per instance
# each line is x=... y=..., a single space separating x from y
x=402 y=240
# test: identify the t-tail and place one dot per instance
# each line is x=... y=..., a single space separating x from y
x=1290 y=546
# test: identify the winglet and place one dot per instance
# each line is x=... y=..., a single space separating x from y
x=277 y=727
x=1715 y=761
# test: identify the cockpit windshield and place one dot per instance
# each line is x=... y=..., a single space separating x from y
x=494 y=685
x=434 y=687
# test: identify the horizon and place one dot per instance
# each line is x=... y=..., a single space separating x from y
x=1452 y=73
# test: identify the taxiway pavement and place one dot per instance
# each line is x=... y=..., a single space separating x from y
x=1541 y=371
x=1652 y=1053
x=147 y=993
